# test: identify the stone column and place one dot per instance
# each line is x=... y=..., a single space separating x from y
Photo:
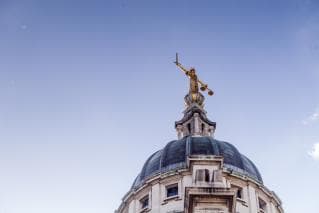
x=252 y=199
x=197 y=128
x=179 y=130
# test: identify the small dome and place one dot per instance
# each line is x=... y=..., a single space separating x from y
x=175 y=153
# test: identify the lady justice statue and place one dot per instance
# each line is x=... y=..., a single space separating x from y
x=194 y=96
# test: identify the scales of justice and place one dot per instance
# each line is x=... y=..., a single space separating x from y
x=194 y=95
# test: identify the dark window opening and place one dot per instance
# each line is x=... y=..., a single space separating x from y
x=202 y=175
x=144 y=202
x=203 y=128
x=172 y=190
x=189 y=128
x=239 y=193
x=206 y=175
x=262 y=204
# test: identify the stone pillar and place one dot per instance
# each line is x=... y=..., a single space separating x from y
x=252 y=199
x=211 y=131
x=197 y=129
x=132 y=207
x=179 y=130
x=156 y=198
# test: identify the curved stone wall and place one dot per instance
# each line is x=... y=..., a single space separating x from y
x=205 y=185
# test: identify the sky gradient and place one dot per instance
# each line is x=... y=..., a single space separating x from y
x=89 y=92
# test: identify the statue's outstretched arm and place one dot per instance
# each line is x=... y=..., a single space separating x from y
x=182 y=68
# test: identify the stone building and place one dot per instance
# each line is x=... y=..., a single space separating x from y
x=199 y=174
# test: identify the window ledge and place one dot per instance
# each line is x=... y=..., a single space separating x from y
x=176 y=197
x=146 y=209
x=242 y=201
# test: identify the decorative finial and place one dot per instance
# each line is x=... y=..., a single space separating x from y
x=194 y=95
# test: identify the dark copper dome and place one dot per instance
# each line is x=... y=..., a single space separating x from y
x=175 y=153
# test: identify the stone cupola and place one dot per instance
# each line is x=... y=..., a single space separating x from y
x=195 y=121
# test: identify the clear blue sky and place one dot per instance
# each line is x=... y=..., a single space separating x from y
x=89 y=91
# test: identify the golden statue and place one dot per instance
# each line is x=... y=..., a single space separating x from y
x=194 y=82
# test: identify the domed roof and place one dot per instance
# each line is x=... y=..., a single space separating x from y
x=175 y=153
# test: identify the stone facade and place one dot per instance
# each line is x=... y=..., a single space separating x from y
x=205 y=187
